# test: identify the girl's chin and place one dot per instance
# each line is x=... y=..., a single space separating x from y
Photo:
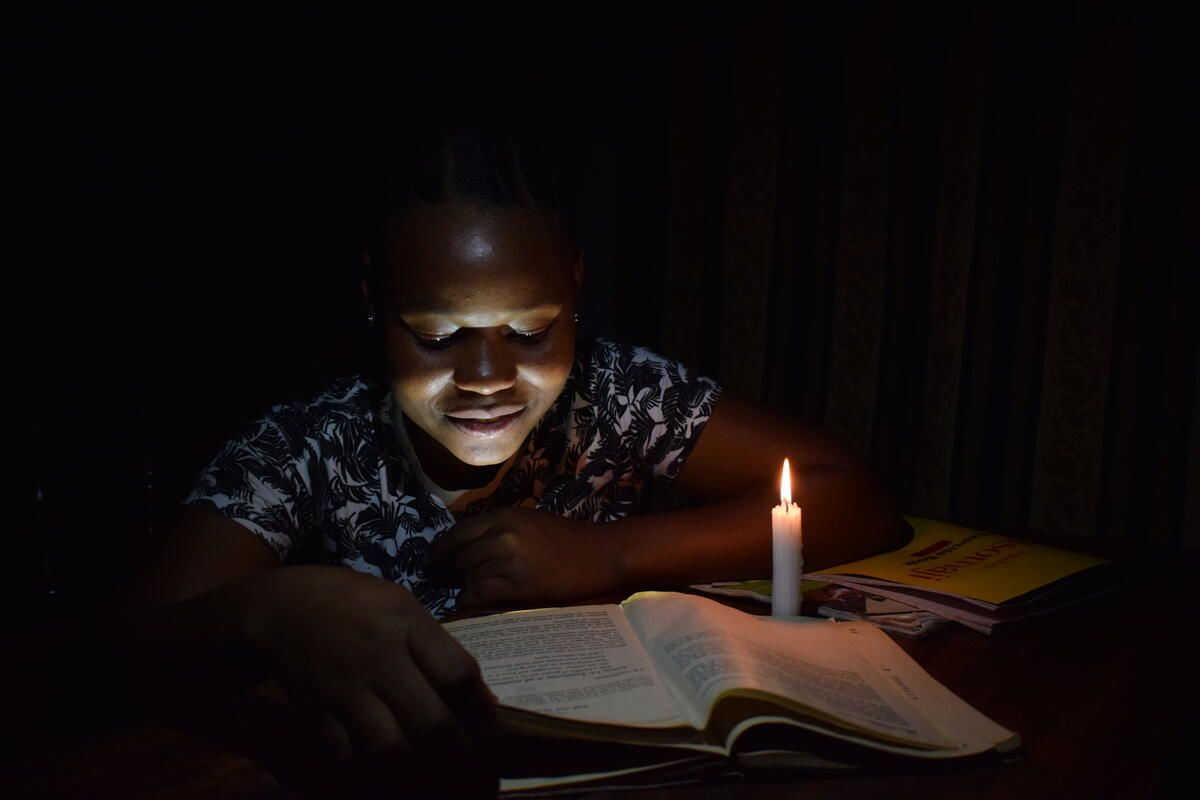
x=496 y=451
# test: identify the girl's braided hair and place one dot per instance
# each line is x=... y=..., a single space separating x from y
x=489 y=155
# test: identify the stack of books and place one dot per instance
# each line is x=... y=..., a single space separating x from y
x=948 y=572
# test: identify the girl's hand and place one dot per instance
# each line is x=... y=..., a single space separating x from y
x=519 y=556
x=376 y=672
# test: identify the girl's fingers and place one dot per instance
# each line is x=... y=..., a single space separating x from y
x=371 y=724
x=452 y=672
x=446 y=545
x=320 y=713
x=473 y=556
x=489 y=591
x=334 y=733
x=427 y=721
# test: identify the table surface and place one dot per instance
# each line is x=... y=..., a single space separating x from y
x=1099 y=694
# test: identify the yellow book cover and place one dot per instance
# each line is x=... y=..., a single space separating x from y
x=962 y=561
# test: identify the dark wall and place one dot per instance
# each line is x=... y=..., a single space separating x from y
x=190 y=187
x=799 y=200
x=961 y=235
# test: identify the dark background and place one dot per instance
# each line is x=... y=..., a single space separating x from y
x=963 y=236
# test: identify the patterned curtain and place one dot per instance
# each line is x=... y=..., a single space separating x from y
x=962 y=236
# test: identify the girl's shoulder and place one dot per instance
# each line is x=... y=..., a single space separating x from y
x=614 y=360
x=643 y=404
x=633 y=382
x=346 y=400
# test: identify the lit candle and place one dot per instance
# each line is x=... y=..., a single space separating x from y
x=787 y=562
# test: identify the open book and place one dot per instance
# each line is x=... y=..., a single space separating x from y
x=692 y=682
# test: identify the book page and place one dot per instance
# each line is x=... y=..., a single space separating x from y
x=703 y=649
x=580 y=663
x=972 y=731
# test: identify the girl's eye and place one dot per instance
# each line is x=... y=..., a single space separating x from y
x=531 y=337
x=436 y=342
x=443 y=342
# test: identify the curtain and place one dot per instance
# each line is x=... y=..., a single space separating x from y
x=961 y=236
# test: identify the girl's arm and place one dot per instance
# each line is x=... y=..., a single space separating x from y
x=214 y=612
x=733 y=474
x=522 y=557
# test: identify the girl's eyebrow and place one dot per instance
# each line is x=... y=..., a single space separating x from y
x=549 y=309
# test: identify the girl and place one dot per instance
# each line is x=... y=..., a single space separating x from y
x=492 y=460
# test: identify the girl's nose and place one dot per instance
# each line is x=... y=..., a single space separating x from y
x=485 y=364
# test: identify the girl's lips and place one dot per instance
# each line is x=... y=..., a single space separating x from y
x=485 y=412
x=486 y=428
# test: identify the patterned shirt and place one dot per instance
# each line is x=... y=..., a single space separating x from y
x=326 y=480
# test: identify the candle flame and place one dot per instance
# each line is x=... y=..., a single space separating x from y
x=785 y=485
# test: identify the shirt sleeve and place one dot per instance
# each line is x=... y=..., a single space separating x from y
x=658 y=406
x=261 y=480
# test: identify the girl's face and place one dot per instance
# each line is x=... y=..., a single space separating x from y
x=477 y=309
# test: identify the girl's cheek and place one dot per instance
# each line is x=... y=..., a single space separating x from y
x=410 y=362
x=414 y=376
x=551 y=365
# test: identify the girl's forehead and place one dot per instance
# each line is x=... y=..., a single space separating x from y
x=447 y=256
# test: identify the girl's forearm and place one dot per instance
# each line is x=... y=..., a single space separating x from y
x=847 y=515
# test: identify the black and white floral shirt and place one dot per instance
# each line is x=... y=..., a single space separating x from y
x=326 y=480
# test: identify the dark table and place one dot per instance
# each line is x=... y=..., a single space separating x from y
x=1100 y=694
